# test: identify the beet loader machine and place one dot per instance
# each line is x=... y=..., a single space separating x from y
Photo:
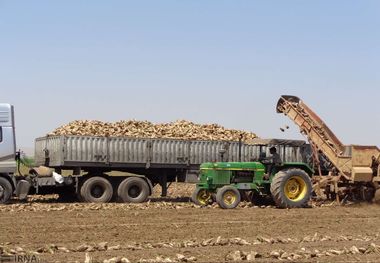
x=354 y=173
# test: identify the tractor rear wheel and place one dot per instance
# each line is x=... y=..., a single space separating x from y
x=291 y=188
x=228 y=197
x=201 y=197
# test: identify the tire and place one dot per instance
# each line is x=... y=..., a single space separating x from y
x=291 y=188
x=5 y=190
x=96 y=190
x=201 y=197
x=228 y=197
x=133 y=190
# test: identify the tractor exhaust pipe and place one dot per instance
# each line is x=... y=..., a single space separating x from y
x=240 y=146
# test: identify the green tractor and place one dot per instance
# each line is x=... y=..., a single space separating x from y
x=288 y=184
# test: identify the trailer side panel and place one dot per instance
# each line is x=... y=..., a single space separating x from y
x=61 y=151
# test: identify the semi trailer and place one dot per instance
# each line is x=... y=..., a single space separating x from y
x=101 y=169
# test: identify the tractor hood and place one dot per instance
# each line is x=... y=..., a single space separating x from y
x=232 y=166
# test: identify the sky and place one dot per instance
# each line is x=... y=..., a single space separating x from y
x=224 y=62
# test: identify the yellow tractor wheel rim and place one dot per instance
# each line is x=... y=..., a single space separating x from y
x=229 y=197
x=203 y=197
x=295 y=188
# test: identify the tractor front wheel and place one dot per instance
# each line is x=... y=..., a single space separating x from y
x=228 y=197
x=201 y=197
x=291 y=188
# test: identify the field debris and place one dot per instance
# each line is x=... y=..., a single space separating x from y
x=103 y=246
x=52 y=205
x=301 y=253
x=162 y=259
x=211 y=242
x=219 y=241
x=117 y=260
x=158 y=231
x=182 y=129
x=240 y=256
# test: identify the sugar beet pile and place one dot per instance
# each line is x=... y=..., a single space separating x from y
x=182 y=129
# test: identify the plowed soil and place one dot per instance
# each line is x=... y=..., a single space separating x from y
x=159 y=230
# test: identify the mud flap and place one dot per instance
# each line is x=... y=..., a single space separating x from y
x=22 y=189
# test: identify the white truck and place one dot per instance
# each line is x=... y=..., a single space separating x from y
x=101 y=169
x=7 y=152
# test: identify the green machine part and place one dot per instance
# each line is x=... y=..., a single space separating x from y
x=288 y=185
x=214 y=175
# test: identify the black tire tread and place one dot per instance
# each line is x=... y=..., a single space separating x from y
x=276 y=188
x=7 y=190
x=219 y=197
x=86 y=196
x=194 y=197
x=122 y=192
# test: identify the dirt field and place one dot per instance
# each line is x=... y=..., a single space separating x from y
x=178 y=231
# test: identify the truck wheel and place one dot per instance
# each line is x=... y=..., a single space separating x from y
x=201 y=197
x=133 y=190
x=228 y=197
x=291 y=188
x=5 y=190
x=96 y=190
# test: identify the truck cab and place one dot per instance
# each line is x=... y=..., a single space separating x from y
x=7 y=152
x=7 y=139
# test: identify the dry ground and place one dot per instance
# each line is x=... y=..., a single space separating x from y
x=159 y=231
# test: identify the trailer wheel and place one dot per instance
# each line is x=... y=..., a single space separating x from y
x=201 y=197
x=96 y=190
x=5 y=190
x=133 y=190
x=228 y=197
x=291 y=188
